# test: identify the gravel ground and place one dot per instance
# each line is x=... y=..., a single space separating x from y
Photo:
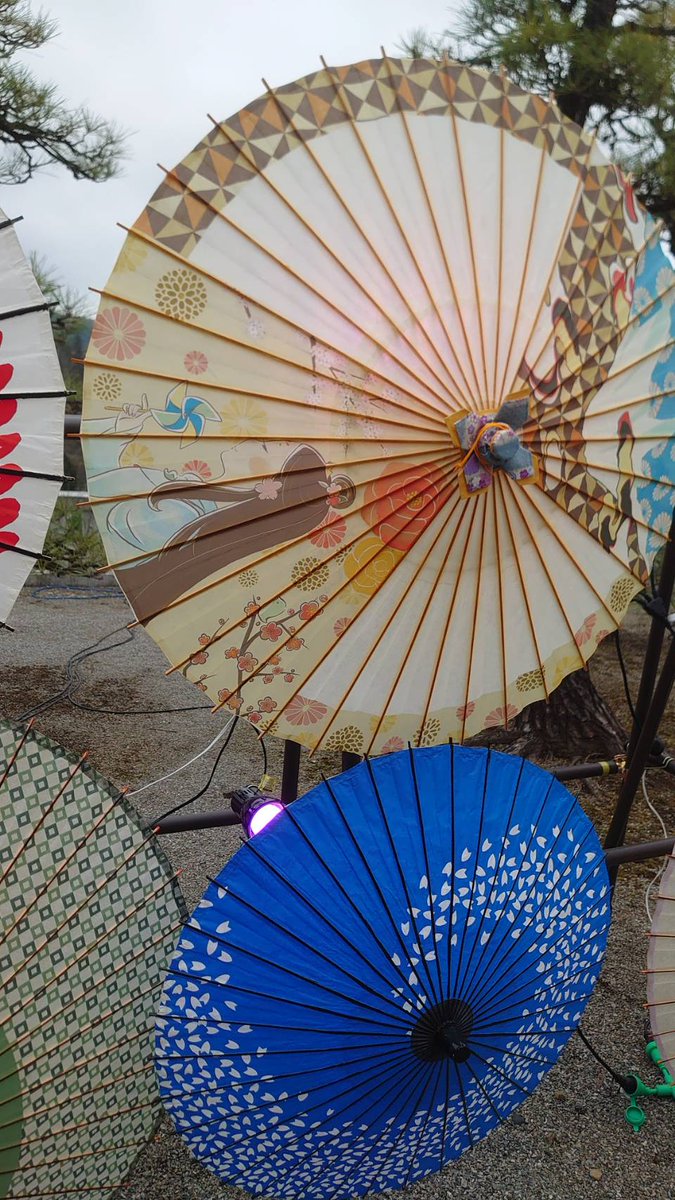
x=570 y=1139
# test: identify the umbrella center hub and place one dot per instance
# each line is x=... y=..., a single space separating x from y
x=443 y=1032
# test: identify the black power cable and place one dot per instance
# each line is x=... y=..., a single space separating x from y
x=624 y=672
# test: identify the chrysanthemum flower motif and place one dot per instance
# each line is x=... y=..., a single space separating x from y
x=197 y=466
x=302 y=710
x=465 y=710
x=107 y=386
x=118 y=333
x=181 y=293
x=195 y=362
x=340 y=625
x=133 y=253
x=394 y=744
x=501 y=716
x=583 y=634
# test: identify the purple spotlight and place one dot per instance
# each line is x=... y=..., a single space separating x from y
x=261 y=816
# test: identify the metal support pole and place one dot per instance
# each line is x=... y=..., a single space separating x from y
x=290 y=774
x=623 y=854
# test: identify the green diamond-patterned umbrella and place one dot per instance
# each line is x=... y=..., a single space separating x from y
x=89 y=911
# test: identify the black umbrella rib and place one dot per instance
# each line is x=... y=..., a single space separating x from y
x=270 y=1079
x=427 y=868
x=7 y=546
x=487 y=1095
x=425 y=1123
x=27 y=309
x=496 y=956
x=479 y=843
x=35 y=395
x=417 y=1000
x=281 y=966
x=489 y=1025
x=296 y=891
x=491 y=1067
x=465 y=1107
x=277 y=999
x=20 y=474
x=541 y=991
x=501 y=860
x=308 y=945
x=5 y=225
x=491 y=993
x=469 y=981
x=533 y=1058
x=453 y=852
x=373 y=1180
x=446 y=1112
x=399 y=1078
x=312 y=1153
x=267 y=1025
x=401 y=874
x=222 y=1118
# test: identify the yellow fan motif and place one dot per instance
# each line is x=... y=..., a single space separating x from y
x=388 y=450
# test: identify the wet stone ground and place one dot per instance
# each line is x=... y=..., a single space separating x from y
x=568 y=1141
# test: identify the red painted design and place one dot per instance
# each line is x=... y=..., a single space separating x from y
x=7 y=482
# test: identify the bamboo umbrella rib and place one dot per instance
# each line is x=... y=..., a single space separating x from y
x=434 y=418
x=440 y=575
x=614 y=508
x=321 y=296
x=354 y=126
x=193 y=266
x=48 y=1135
x=532 y=539
x=45 y=888
x=556 y=258
x=500 y=270
x=145 y=373
x=80 y=1032
x=442 y=519
x=361 y=916
x=307 y=145
x=482 y=397
x=621 y=407
x=280 y=439
x=544 y=158
x=441 y=656
x=445 y=495
x=280 y=646
x=480 y=572
x=72 y=1096
x=450 y=455
x=17 y=750
x=297 y=541
x=470 y=388
x=184 y=486
x=53 y=1162
x=225 y=630
x=521 y=579
x=45 y=813
x=631 y=257
x=611 y=375
x=57 y=930
x=80 y=1064
x=105 y=980
x=340 y=263
x=597 y=466
x=387 y=1022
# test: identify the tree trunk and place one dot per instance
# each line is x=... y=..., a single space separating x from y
x=575 y=725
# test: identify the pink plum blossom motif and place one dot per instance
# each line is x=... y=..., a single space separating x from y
x=330 y=533
x=394 y=744
x=268 y=489
x=267 y=704
x=195 y=362
x=118 y=333
x=583 y=634
x=303 y=711
x=247 y=662
x=501 y=716
x=271 y=632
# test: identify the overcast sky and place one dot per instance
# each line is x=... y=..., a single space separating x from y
x=157 y=67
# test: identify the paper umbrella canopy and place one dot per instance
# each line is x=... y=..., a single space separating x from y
x=32 y=404
x=89 y=912
x=661 y=968
x=378 y=405
x=383 y=974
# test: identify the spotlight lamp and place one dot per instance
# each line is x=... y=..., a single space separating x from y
x=255 y=808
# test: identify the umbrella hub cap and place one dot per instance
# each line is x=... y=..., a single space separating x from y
x=491 y=441
x=443 y=1031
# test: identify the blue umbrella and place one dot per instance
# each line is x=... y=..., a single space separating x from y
x=383 y=974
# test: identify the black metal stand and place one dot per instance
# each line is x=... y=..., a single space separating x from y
x=651 y=703
x=290 y=773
